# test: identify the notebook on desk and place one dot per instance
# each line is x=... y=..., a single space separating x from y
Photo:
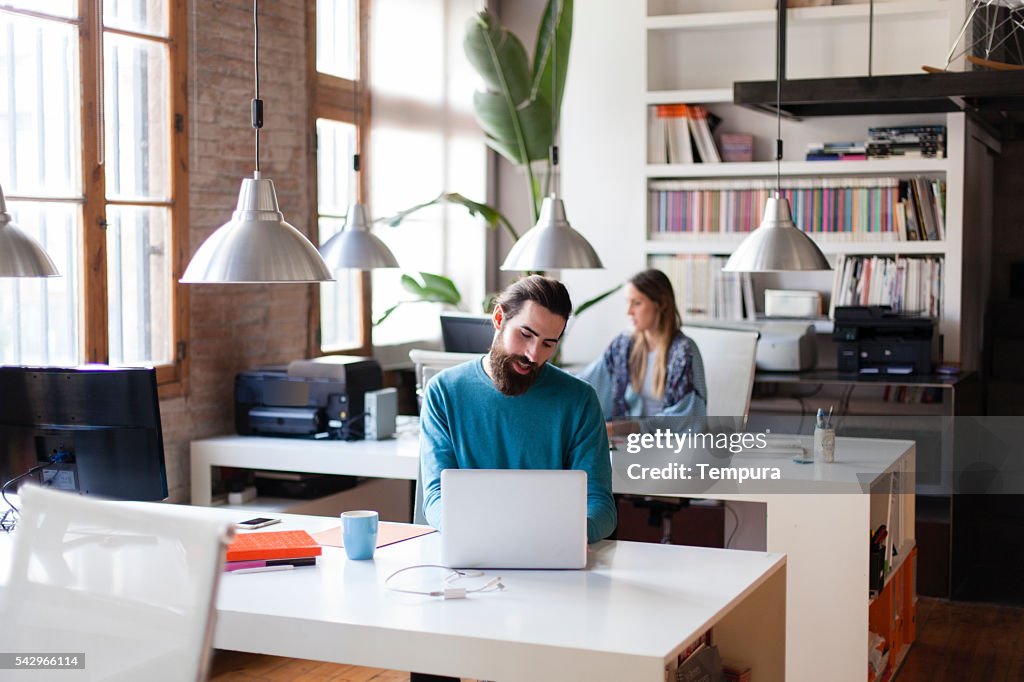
x=493 y=518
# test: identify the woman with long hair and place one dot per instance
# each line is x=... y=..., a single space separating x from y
x=656 y=370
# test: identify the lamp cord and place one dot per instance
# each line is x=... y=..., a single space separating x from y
x=778 y=103
x=554 y=99
x=257 y=103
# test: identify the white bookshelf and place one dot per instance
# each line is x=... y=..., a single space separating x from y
x=723 y=245
x=691 y=51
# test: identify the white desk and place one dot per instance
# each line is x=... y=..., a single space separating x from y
x=395 y=458
x=623 y=618
x=823 y=530
x=822 y=522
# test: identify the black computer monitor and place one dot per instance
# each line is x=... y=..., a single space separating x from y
x=101 y=424
x=465 y=333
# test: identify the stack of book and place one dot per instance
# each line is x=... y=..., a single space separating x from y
x=703 y=291
x=680 y=133
x=843 y=209
x=263 y=550
x=911 y=285
x=907 y=142
x=921 y=214
x=836 y=151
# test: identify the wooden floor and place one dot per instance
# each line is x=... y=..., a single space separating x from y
x=965 y=642
x=956 y=641
x=241 y=667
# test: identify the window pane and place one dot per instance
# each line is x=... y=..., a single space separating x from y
x=39 y=323
x=412 y=158
x=336 y=144
x=136 y=114
x=60 y=8
x=339 y=312
x=139 y=285
x=337 y=41
x=40 y=123
x=142 y=16
x=339 y=307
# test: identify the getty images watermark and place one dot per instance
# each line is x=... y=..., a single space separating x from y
x=668 y=441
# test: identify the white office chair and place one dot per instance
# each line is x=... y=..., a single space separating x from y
x=132 y=586
x=729 y=360
x=428 y=363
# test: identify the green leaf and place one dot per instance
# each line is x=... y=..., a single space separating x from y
x=490 y=214
x=498 y=56
x=442 y=285
x=542 y=53
x=597 y=299
x=433 y=288
x=532 y=120
x=516 y=119
x=387 y=313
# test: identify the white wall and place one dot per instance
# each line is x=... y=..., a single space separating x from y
x=597 y=152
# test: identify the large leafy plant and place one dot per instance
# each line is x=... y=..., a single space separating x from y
x=518 y=111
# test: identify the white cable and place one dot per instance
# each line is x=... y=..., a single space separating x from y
x=494 y=585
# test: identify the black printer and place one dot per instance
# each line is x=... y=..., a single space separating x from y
x=875 y=340
x=322 y=397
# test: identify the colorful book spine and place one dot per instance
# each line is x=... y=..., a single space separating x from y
x=880 y=209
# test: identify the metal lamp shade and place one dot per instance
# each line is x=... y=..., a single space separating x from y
x=355 y=247
x=777 y=245
x=20 y=254
x=256 y=245
x=551 y=244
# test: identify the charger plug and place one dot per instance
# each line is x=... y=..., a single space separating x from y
x=454 y=593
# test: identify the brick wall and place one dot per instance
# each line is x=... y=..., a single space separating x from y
x=235 y=327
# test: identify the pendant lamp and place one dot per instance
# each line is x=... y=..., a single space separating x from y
x=256 y=245
x=777 y=245
x=552 y=244
x=20 y=254
x=355 y=247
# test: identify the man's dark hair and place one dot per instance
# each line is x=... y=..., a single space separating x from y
x=544 y=291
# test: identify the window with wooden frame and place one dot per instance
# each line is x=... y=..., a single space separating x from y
x=339 y=113
x=92 y=162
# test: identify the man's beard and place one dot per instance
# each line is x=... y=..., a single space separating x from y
x=506 y=378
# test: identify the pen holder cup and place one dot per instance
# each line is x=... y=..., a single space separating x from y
x=824 y=445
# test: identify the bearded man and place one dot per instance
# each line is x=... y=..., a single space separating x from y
x=510 y=409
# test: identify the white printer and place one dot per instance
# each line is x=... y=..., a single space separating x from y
x=786 y=346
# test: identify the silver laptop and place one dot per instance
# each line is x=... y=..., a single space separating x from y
x=502 y=518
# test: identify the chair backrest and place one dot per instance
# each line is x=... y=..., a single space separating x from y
x=430 y=362
x=130 y=585
x=729 y=358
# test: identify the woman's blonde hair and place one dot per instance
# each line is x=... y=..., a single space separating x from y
x=655 y=285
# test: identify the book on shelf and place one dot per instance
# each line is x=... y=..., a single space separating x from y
x=703 y=290
x=737 y=147
x=910 y=284
x=703 y=665
x=843 y=208
x=672 y=666
x=668 y=134
x=700 y=120
x=836 y=151
x=913 y=141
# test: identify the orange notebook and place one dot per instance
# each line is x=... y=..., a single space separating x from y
x=282 y=544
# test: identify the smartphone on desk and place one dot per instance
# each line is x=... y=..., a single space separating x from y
x=253 y=524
